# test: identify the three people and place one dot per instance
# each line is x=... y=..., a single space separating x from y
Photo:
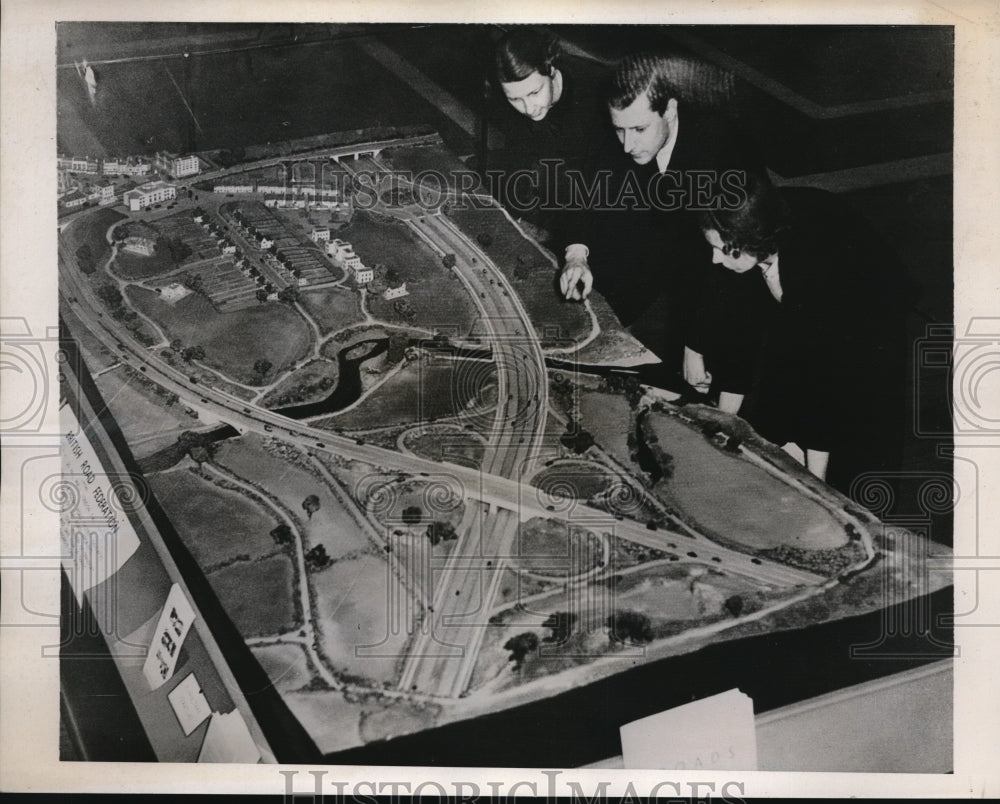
x=784 y=302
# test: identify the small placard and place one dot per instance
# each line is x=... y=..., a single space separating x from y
x=96 y=535
x=171 y=630
x=716 y=733
x=189 y=704
x=228 y=740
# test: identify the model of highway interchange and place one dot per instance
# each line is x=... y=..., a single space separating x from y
x=392 y=451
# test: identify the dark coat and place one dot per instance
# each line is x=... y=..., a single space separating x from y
x=643 y=236
x=567 y=136
x=825 y=367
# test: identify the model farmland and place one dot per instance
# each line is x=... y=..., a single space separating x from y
x=352 y=415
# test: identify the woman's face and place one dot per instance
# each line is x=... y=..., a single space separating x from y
x=740 y=264
x=535 y=95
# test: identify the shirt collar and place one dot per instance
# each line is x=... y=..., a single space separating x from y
x=664 y=154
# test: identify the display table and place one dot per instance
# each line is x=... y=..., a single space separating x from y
x=898 y=724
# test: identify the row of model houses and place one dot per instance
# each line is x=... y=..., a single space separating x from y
x=342 y=254
x=176 y=166
x=224 y=244
x=286 y=195
x=103 y=192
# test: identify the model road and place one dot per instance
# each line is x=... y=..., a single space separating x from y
x=443 y=655
x=476 y=565
x=468 y=483
x=320 y=155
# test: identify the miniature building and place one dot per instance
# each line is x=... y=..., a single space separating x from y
x=343 y=254
x=178 y=166
x=73 y=200
x=152 y=192
x=320 y=234
x=186 y=165
x=395 y=293
x=174 y=292
x=78 y=164
x=124 y=167
x=363 y=275
x=233 y=188
x=65 y=182
x=105 y=192
x=143 y=246
x=134 y=168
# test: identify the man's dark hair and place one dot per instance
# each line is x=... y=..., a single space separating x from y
x=523 y=51
x=662 y=77
x=757 y=224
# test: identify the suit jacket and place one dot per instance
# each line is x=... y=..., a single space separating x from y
x=643 y=235
x=826 y=366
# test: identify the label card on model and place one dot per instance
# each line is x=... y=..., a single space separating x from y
x=171 y=630
x=715 y=733
x=96 y=535
x=189 y=704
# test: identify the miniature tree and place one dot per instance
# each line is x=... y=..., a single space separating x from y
x=177 y=250
x=196 y=446
x=630 y=626
x=282 y=534
x=310 y=505
x=111 y=296
x=734 y=605
x=398 y=342
x=261 y=367
x=193 y=281
x=520 y=646
x=441 y=531
x=317 y=558
x=449 y=260
x=195 y=352
x=576 y=438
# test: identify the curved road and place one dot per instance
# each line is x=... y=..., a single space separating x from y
x=465 y=589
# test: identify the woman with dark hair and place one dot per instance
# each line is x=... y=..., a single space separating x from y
x=525 y=62
x=802 y=328
x=549 y=121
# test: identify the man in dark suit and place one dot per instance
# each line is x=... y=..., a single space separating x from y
x=670 y=156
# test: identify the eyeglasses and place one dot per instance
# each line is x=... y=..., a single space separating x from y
x=730 y=251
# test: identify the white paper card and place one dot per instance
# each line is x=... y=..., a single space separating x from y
x=715 y=733
x=171 y=630
x=96 y=535
x=228 y=740
x=189 y=703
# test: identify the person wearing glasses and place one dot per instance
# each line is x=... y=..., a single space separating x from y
x=801 y=328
